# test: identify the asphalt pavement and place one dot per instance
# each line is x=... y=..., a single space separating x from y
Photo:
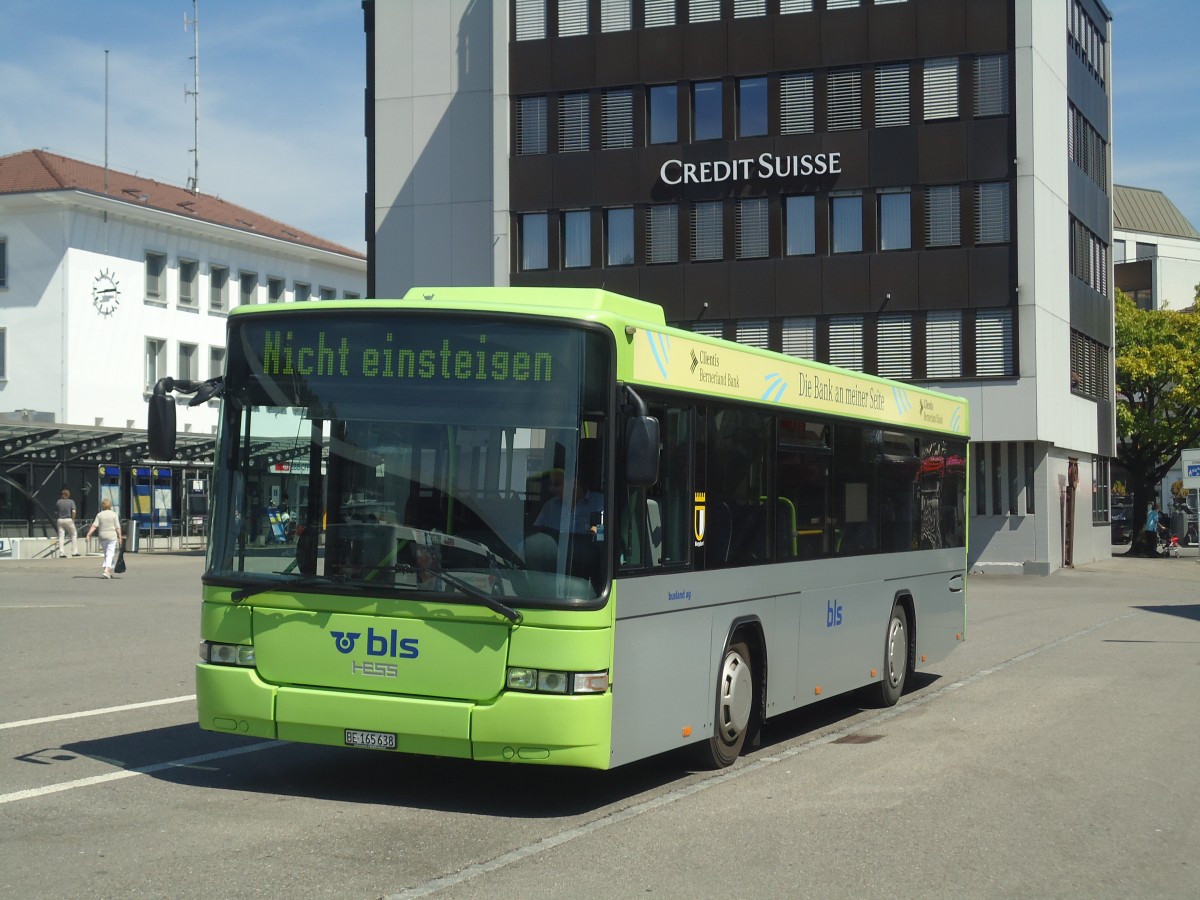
x=1053 y=754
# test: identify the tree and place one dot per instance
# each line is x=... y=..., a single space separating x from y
x=1158 y=400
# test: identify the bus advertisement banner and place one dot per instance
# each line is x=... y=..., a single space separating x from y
x=737 y=373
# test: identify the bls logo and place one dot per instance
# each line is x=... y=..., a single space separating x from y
x=381 y=644
x=833 y=614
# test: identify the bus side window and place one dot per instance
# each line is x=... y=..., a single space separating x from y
x=655 y=524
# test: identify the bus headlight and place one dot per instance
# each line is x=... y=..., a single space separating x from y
x=226 y=654
x=545 y=681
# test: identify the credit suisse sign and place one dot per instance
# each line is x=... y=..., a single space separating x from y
x=764 y=167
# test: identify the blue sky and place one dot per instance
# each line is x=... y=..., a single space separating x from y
x=281 y=88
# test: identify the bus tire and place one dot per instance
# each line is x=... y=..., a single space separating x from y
x=735 y=703
x=896 y=662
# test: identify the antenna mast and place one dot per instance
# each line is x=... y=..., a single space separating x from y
x=193 y=184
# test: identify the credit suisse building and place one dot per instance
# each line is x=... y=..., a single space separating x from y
x=919 y=189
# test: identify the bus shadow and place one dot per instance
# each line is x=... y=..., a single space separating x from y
x=1187 y=611
x=417 y=782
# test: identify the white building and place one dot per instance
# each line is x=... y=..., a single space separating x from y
x=1156 y=250
x=953 y=229
x=109 y=281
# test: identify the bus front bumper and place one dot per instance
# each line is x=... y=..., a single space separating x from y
x=517 y=727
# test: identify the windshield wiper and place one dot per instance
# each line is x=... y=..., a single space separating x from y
x=306 y=581
x=483 y=597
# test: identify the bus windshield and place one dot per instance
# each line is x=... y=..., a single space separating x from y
x=395 y=453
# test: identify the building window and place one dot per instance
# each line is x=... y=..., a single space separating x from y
x=997 y=460
x=943 y=344
x=662 y=233
x=3 y=352
x=895 y=219
x=188 y=362
x=3 y=263
x=795 y=6
x=189 y=272
x=891 y=96
x=275 y=287
x=744 y=9
x=659 y=13
x=1086 y=148
x=846 y=226
x=531 y=125
x=709 y=328
x=941 y=88
x=350 y=295
x=991 y=85
x=572 y=17
x=704 y=11
x=800 y=336
x=1089 y=367
x=993 y=342
x=302 y=291
x=706 y=110
x=216 y=362
x=1118 y=252
x=752 y=106
x=942 y=216
x=894 y=345
x=616 y=119
x=664 y=114
x=156 y=361
x=979 y=490
x=1089 y=257
x=247 y=288
x=752 y=229
x=1101 y=495
x=577 y=239
x=796 y=103
x=616 y=15
x=218 y=288
x=799 y=219
x=531 y=19
x=841 y=4
x=845 y=99
x=326 y=293
x=156 y=264
x=620 y=236
x=573 y=123
x=708 y=238
x=991 y=213
x=1085 y=39
x=845 y=342
x=753 y=333
x=535 y=252
x=1030 y=493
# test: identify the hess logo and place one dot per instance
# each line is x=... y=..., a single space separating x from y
x=388 y=644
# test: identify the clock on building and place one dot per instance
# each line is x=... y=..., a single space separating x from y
x=106 y=293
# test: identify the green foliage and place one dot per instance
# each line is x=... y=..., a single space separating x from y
x=1158 y=392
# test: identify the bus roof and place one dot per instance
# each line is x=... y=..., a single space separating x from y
x=658 y=355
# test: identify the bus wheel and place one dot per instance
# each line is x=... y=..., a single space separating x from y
x=895 y=660
x=735 y=700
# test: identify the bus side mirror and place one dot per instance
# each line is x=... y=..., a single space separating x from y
x=641 y=451
x=160 y=421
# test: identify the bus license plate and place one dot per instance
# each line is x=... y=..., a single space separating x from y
x=373 y=740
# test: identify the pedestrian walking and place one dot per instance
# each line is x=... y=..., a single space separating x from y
x=64 y=511
x=109 y=526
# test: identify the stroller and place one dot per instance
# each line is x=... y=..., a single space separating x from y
x=1168 y=542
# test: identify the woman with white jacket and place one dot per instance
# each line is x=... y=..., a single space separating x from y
x=109 y=526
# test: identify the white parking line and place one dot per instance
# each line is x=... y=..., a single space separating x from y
x=130 y=773
x=96 y=712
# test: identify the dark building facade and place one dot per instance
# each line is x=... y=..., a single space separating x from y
x=903 y=187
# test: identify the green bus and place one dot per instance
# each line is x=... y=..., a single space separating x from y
x=542 y=526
